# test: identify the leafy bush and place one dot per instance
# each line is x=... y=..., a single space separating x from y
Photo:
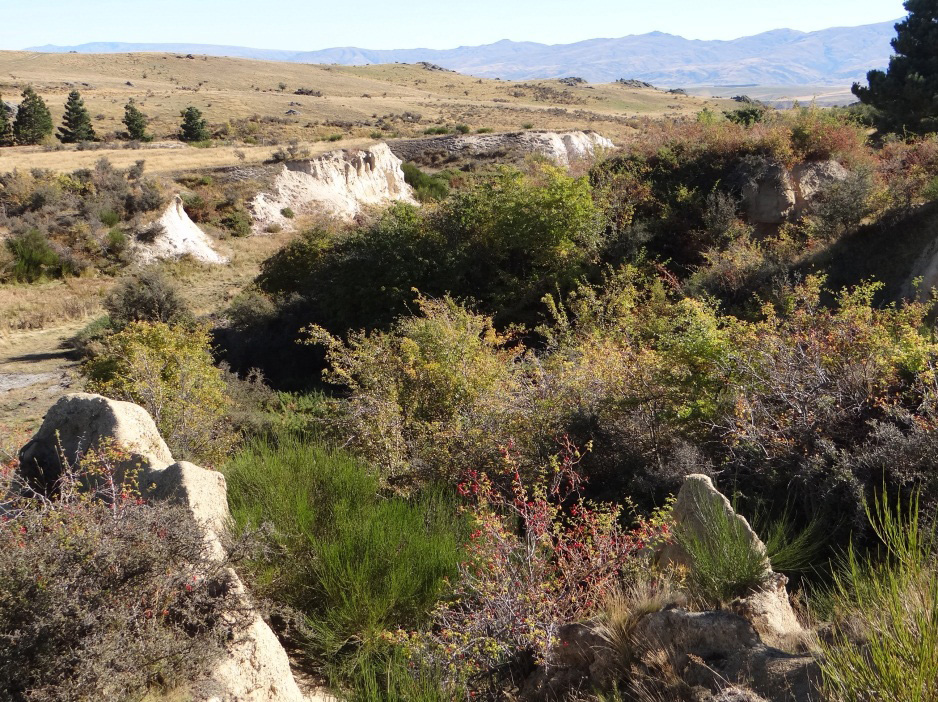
x=533 y=567
x=354 y=562
x=288 y=213
x=169 y=371
x=103 y=596
x=426 y=187
x=109 y=218
x=238 y=222
x=146 y=297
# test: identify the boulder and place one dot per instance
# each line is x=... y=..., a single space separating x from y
x=769 y=612
x=772 y=194
x=78 y=422
x=256 y=667
x=720 y=649
x=696 y=499
x=769 y=195
x=340 y=183
x=812 y=178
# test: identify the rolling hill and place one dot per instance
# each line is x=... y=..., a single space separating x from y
x=836 y=56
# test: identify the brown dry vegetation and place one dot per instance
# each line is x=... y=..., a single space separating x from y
x=243 y=103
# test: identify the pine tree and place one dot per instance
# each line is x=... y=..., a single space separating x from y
x=33 y=120
x=6 y=125
x=906 y=95
x=193 y=126
x=136 y=122
x=76 y=124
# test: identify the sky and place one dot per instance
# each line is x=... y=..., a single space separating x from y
x=438 y=24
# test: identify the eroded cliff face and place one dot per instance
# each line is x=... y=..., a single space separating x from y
x=179 y=236
x=563 y=148
x=339 y=183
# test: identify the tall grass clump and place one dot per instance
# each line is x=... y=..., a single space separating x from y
x=889 y=650
x=354 y=562
x=724 y=561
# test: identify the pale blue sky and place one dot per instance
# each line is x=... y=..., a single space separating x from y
x=384 y=24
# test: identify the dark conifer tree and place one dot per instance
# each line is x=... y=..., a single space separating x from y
x=6 y=125
x=76 y=124
x=194 y=127
x=906 y=95
x=136 y=122
x=33 y=120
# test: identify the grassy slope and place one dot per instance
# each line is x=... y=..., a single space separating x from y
x=228 y=89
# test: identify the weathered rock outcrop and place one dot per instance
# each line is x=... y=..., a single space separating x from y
x=772 y=194
x=717 y=649
x=256 y=668
x=179 y=236
x=339 y=183
x=562 y=147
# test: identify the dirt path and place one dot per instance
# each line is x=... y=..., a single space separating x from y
x=36 y=368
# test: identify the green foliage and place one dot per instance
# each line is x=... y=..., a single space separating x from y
x=194 y=128
x=6 y=125
x=288 y=213
x=238 y=222
x=724 y=563
x=76 y=124
x=890 y=601
x=426 y=187
x=146 y=297
x=109 y=218
x=354 y=562
x=169 y=371
x=33 y=120
x=745 y=116
x=413 y=390
x=33 y=257
x=135 y=122
x=462 y=129
x=905 y=95
x=431 y=131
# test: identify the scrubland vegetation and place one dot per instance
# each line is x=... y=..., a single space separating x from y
x=450 y=430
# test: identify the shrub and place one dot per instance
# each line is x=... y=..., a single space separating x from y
x=890 y=602
x=168 y=370
x=103 y=596
x=533 y=566
x=109 y=218
x=436 y=130
x=843 y=206
x=723 y=561
x=462 y=129
x=238 y=222
x=33 y=257
x=354 y=562
x=288 y=213
x=146 y=297
x=116 y=242
x=426 y=187
x=335 y=137
x=193 y=128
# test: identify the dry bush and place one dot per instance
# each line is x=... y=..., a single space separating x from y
x=103 y=596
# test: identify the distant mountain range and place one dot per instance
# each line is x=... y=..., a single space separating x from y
x=836 y=56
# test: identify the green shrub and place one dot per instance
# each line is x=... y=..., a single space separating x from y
x=169 y=371
x=354 y=562
x=288 y=213
x=146 y=297
x=238 y=222
x=335 y=137
x=484 y=130
x=723 y=562
x=462 y=129
x=436 y=130
x=527 y=125
x=887 y=646
x=109 y=218
x=116 y=241
x=426 y=187
x=33 y=257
